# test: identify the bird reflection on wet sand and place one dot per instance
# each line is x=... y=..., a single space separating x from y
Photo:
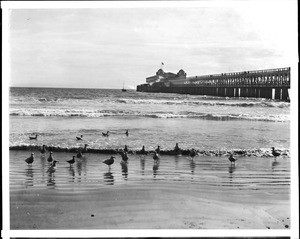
x=275 y=164
x=29 y=176
x=231 y=170
x=192 y=165
x=108 y=178
x=142 y=162
x=155 y=168
x=72 y=174
x=124 y=166
x=176 y=158
x=51 y=180
x=79 y=169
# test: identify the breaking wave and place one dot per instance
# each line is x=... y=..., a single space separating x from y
x=207 y=103
x=259 y=152
x=123 y=113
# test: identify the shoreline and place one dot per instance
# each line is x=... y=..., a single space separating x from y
x=184 y=152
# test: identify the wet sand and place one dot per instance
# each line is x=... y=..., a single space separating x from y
x=198 y=196
x=160 y=207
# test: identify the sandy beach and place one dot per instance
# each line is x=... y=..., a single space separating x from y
x=205 y=198
x=140 y=208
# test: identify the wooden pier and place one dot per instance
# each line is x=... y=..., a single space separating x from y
x=270 y=84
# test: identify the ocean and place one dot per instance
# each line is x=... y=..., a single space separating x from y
x=206 y=123
x=213 y=126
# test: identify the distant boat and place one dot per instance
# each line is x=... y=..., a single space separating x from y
x=123 y=88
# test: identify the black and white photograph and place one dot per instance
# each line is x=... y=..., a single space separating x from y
x=151 y=115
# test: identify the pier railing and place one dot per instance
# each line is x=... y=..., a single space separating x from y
x=262 y=78
x=270 y=83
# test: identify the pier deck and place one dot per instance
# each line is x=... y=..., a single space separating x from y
x=271 y=84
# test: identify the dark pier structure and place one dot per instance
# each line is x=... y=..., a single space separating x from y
x=270 y=84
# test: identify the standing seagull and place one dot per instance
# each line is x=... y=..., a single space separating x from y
x=155 y=156
x=193 y=153
x=232 y=159
x=50 y=158
x=275 y=153
x=127 y=132
x=81 y=151
x=79 y=138
x=109 y=161
x=43 y=150
x=30 y=159
x=124 y=156
x=79 y=155
x=52 y=168
x=71 y=161
x=143 y=151
x=157 y=150
x=85 y=148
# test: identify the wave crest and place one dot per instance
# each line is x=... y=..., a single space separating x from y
x=123 y=113
x=260 y=152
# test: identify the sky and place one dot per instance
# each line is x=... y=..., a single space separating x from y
x=108 y=47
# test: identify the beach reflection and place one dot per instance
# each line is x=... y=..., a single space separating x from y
x=142 y=162
x=29 y=176
x=79 y=169
x=155 y=168
x=124 y=166
x=51 y=180
x=43 y=164
x=108 y=178
x=231 y=170
x=192 y=165
x=176 y=157
x=72 y=174
x=275 y=164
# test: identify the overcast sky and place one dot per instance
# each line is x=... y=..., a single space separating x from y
x=102 y=48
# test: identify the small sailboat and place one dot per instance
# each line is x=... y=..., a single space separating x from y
x=123 y=89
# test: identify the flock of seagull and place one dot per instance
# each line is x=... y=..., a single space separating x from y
x=124 y=154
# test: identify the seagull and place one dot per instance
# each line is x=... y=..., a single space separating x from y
x=177 y=150
x=79 y=138
x=155 y=157
x=193 y=153
x=127 y=132
x=157 y=150
x=232 y=159
x=81 y=151
x=52 y=168
x=85 y=148
x=124 y=156
x=30 y=159
x=43 y=150
x=33 y=137
x=275 y=153
x=105 y=134
x=143 y=151
x=176 y=147
x=79 y=155
x=71 y=161
x=109 y=161
x=50 y=158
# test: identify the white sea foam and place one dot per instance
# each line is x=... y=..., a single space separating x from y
x=122 y=113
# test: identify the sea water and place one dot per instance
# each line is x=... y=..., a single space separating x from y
x=206 y=123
